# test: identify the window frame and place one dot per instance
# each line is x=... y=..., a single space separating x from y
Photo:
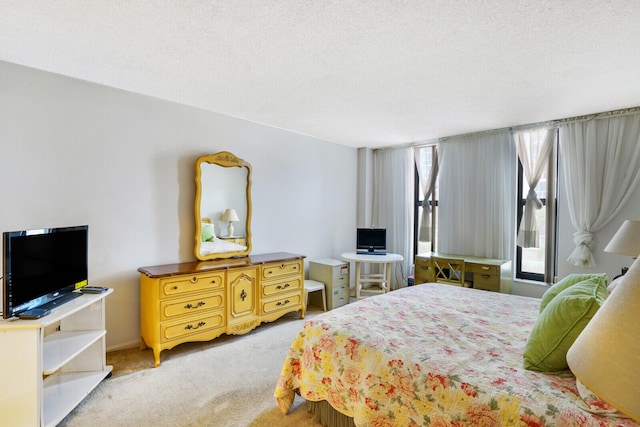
x=433 y=203
x=551 y=220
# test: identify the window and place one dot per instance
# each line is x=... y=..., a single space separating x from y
x=533 y=261
x=426 y=182
x=536 y=261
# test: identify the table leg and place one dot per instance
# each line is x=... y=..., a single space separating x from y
x=358 y=284
x=387 y=280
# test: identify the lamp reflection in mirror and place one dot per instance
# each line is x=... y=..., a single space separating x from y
x=230 y=215
x=606 y=356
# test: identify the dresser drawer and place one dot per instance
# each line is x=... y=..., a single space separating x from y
x=423 y=272
x=339 y=274
x=339 y=297
x=338 y=302
x=340 y=279
x=273 y=288
x=342 y=290
x=192 y=326
x=285 y=268
x=177 y=285
x=282 y=303
x=492 y=270
x=186 y=306
x=486 y=282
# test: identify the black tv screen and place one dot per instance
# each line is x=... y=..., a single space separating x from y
x=371 y=239
x=42 y=265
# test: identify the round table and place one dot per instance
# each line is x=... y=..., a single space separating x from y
x=381 y=279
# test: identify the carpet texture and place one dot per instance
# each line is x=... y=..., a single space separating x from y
x=228 y=381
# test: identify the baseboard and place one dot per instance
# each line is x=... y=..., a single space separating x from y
x=124 y=346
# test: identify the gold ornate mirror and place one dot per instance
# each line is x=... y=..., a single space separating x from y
x=222 y=207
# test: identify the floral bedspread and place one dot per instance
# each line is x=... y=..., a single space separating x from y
x=431 y=355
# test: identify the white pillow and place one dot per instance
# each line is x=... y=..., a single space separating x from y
x=614 y=283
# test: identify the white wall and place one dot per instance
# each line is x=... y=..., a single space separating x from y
x=79 y=153
x=365 y=187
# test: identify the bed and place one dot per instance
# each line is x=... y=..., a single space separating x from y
x=210 y=243
x=431 y=355
x=220 y=245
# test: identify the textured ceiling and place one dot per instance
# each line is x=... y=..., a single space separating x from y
x=359 y=73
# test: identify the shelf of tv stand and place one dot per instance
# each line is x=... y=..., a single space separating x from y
x=61 y=347
x=62 y=392
x=54 y=362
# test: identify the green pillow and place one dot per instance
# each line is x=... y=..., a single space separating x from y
x=207 y=233
x=569 y=281
x=560 y=324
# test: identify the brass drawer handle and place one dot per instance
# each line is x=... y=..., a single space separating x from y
x=194 y=279
x=200 y=304
x=485 y=268
x=283 y=303
x=190 y=326
x=283 y=265
x=485 y=276
x=283 y=287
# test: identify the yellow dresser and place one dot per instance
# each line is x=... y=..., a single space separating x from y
x=199 y=301
x=281 y=288
x=476 y=272
x=238 y=240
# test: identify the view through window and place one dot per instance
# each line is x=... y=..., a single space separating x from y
x=426 y=216
x=535 y=260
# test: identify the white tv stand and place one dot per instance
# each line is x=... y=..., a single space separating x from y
x=49 y=365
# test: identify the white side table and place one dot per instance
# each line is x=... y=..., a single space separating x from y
x=381 y=279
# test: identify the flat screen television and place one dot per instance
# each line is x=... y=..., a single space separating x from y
x=371 y=240
x=42 y=266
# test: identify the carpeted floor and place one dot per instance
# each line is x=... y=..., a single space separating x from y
x=228 y=382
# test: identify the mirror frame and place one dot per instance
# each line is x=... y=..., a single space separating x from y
x=227 y=160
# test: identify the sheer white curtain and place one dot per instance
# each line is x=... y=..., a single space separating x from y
x=477 y=196
x=393 y=206
x=601 y=165
x=533 y=147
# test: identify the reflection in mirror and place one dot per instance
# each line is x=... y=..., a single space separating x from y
x=222 y=206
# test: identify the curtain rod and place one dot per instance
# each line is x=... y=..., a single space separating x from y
x=548 y=123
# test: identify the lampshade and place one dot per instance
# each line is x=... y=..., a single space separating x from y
x=606 y=355
x=230 y=215
x=626 y=241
